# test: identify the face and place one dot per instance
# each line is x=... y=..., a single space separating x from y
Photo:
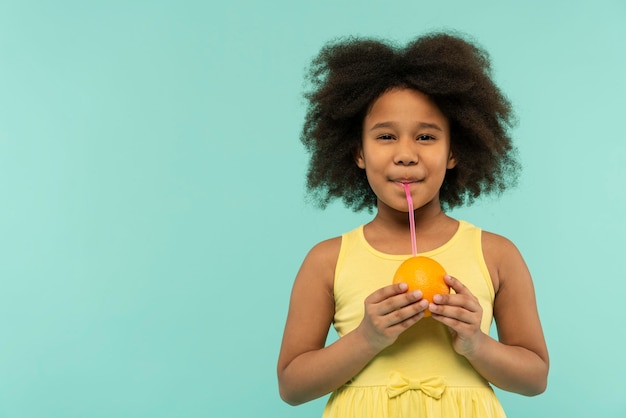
x=406 y=139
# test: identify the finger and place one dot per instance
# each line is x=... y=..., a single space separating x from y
x=406 y=312
x=386 y=292
x=450 y=314
x=468 y=302
x=453 y=298
x=462 y=308
x=456 y=284
x=399 y=327
x=465 y=302
x=389 y=300
x=396 y=303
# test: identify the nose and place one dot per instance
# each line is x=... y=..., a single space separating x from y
x=406 y=154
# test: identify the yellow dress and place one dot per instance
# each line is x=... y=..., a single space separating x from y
x=420 y=375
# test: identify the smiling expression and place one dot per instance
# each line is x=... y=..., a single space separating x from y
x=406 y=139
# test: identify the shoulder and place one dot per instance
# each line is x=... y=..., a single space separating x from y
x=325 y=252
x=502 y=257
x=497 y=245
x=318 y=267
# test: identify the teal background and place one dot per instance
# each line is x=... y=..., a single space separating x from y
x=153 y=214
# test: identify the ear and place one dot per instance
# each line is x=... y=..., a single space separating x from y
x=451 y=161
x=359 y=159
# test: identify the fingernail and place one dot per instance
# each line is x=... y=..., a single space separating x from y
x=404 y=286
x=437 y=298
x=418 y=294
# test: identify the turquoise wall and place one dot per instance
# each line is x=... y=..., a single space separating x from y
x=152 y=213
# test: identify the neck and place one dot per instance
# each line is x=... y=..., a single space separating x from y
x=390 y=230
x=426 y=217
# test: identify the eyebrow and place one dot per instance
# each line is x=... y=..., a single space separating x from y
x=421 y=125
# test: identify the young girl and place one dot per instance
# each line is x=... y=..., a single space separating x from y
x=428 y=116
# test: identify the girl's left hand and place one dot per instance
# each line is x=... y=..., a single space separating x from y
x=462 y=313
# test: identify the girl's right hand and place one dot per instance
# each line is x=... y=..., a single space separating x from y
x=389 y=311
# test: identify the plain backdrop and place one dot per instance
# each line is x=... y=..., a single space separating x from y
x=153 y=212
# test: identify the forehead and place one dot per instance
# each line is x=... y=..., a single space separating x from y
x=404 y=104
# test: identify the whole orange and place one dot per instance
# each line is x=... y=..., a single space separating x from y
x=425 y=274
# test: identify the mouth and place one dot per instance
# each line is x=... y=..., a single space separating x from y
x=408 y=181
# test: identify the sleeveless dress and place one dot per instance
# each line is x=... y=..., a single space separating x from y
x=420 y=375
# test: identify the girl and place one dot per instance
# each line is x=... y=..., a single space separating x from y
x=428 y=116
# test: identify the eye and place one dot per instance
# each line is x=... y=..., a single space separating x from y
x=425 y=137
x=385 y=137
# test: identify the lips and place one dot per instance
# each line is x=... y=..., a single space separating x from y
x=405 y=180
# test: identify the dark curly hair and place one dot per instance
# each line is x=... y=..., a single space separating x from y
x=350 y=74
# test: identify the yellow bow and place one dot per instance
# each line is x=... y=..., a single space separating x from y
x=432 y=386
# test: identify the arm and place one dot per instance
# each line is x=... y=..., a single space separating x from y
x=518 y=362
x=306 y=368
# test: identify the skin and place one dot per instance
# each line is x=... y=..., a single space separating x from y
x=406 y=139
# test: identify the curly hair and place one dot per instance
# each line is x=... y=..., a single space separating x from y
x=348 y=75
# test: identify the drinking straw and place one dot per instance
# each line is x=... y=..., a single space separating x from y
x=411 y=217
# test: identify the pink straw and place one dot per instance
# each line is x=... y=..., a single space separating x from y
x=411 y=217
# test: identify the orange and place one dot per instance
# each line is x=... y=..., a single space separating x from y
x=425 y=274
